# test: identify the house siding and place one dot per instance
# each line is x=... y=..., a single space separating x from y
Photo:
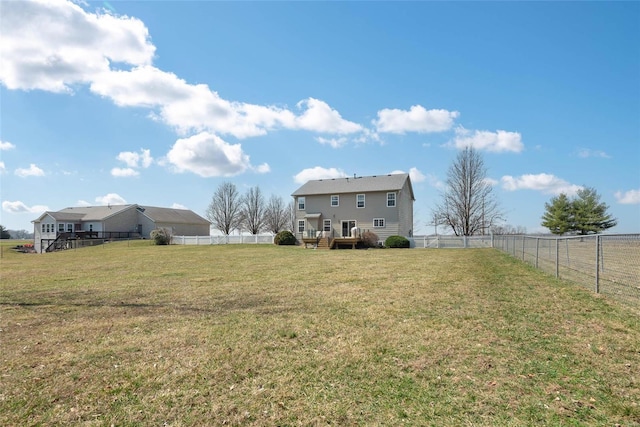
x=122 y=218
x=398 y=220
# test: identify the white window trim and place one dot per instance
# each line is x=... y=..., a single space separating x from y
x=384 y=223
x=395 y=200
x=324 y=222
x=302 y=201
x=337 y=200
x=304 y=225
x=364 y=203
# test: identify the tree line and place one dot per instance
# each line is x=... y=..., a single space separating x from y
x=230 y=210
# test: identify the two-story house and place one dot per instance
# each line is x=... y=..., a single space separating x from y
x=342 y=208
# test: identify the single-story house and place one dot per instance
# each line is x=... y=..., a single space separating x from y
x=119 y=221
x=340 y=209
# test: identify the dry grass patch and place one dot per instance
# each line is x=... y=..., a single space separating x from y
x=134 y=334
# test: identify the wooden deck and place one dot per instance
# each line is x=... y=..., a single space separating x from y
x=331 y=243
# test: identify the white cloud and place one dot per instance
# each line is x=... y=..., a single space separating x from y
x=178 y=206
x=415 y=175
x=124 y=172
x=263 y=168
x=320 y=117
x=136 y=160
x=2 y=167
x=53 y=45
x=5 y=145
x=208 y=155
x=497 y=141
x=545 y=183
x=490 y=181
x=18 y=207
x=83 y=203
x=32 y=171
x=417 y=119
x=587 y=152
x=333 y=142
x=631 y=197
x=318 y=173
x=110 y=199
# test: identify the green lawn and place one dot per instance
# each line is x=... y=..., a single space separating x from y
x=135 y=334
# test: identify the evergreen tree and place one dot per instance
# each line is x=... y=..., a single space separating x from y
x=585 y=214
x=558 y=216
x=590 y=214
x=4 y=233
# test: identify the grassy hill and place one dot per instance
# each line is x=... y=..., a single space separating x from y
x=135 y=334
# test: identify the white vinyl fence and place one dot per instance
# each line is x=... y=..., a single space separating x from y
x=449 y=241
x=223 y=240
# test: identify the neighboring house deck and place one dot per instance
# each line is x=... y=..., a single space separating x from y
x=62 y=229
x=332 y=213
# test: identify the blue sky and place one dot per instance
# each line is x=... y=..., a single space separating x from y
x=159 y=102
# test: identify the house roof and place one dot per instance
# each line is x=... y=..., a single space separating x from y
x=174 y=216
x=360 y=184
x=101 y=213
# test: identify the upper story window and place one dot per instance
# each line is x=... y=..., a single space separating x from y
x=335 y=200
x=43 y=228
x=301 y=203
x=391 y=200
x=360 y=200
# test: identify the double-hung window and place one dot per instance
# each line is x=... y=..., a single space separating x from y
x=360 y=200
x=391 y=200
x=301 y=203
x=301 y=226
x=378 y=222
x=326 y=225
x=335 y=200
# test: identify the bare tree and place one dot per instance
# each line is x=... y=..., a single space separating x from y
x=224 y=210
x=291 y=217
x=468 y=204
x=253 y=210
x=276 y=215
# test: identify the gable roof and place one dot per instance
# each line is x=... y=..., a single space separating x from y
x=360 y=184
x=174 y=216
x=101 y=213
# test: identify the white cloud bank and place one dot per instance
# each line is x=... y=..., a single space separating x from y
x=416 y=119
x=19 y=207
x=498 y=141
x=208 y=155
x=133 y=161
x=631 y=197
x=545 y=183
x=110 y=199
x=33 y=170
x=415 y=175
x=6 y=145
x=318 y=172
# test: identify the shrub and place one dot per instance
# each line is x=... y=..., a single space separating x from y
x=369 y=239
x=284 y=238
x=161 y=236
x=397 y=242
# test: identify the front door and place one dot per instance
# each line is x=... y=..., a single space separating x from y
x=346 y=227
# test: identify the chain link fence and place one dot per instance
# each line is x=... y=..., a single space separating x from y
x=607 y=264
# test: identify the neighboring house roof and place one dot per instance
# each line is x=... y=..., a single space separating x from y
x=175 y=216
x=360 y=184
x=101 y=213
